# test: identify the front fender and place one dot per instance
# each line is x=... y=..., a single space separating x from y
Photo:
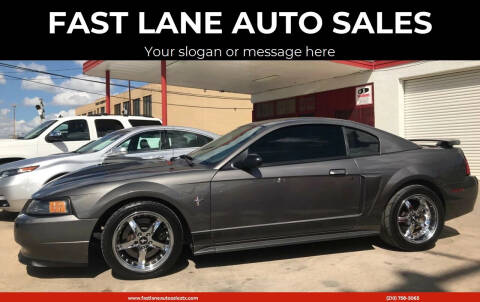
x=179 y=197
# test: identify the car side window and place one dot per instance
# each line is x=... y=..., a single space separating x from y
x=105 y=126
x=182 y=139
x=303 y=143
x=73 y=130
x=361 y=143
x=144 y=142
x=136 y=123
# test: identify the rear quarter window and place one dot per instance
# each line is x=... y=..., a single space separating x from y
x=361 y=143
x=138 y=123
x=105 y=126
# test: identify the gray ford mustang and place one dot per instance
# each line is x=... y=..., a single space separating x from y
x=264 y=184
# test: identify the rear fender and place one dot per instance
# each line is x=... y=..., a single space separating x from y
x=403 y=177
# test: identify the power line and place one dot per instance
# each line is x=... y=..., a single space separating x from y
x=119 y=85
x=118 y=97
x=35 y=70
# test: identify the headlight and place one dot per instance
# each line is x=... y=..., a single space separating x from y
x=12 y=172
x=48 y=207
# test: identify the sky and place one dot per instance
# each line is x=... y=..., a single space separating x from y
x=25 y=95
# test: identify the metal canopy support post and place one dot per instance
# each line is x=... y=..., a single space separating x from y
x=107 y=91
x=164 y=92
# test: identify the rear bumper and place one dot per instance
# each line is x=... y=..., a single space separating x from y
x=460 y=197
x=53 y=241
x=16 y=190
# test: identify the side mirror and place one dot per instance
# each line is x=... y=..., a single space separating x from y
x=251 y=161
x=55 y=136
x=120 y=151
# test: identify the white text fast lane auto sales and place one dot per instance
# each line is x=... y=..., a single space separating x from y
x=251 y=23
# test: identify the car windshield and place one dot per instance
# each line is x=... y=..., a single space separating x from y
x=38 y=130
x=100 y=144
x=217 y=150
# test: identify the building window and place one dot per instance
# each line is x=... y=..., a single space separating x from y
x=286 y=107
x=126 y=108
x=264 y=110
x=147 y=105
x=306 y=104
x=116 y=109
x=102 y=110
x=136 y=107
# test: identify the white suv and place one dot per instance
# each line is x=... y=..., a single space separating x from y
x=66 y=134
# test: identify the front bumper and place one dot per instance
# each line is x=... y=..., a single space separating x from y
x=53 y=241
x=460 y=197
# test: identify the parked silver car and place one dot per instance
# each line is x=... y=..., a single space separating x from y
x=20 y=179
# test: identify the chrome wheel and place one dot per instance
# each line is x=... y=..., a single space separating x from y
x=417 y=218
x=142 y=241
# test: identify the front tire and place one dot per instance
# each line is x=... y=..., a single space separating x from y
x=413 y=219
x=142 y=240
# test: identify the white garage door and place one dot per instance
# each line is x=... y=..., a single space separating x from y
x=446 y=106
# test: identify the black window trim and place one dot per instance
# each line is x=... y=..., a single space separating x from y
x=228 y=165
x=347 y=146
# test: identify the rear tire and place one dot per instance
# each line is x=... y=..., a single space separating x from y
x=142 y=240
x=413 y=219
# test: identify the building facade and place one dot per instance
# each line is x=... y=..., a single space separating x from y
x=218 y=112
x=417 y=100
x=413 y=99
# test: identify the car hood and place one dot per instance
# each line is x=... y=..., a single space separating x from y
x=6 y=143
x=110 y=173
x=8 y=146
x=44 y=160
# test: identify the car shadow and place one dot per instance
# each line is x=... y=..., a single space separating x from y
x=180 y=265
x=448 y=232
x=98 y=266
x=418 y=282
x=7 y=216
x=301 y=250
x=284 y=252
x=95 y=267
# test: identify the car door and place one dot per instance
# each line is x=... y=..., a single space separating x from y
x=306 y=185
x=148 y=145
x=184 y=142
x=74 y=134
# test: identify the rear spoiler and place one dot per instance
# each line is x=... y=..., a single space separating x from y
x=444 y=143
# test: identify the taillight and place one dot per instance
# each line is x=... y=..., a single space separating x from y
x=467 y=166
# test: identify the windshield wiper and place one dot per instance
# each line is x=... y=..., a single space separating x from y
x=188 y=159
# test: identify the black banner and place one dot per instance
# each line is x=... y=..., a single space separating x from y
x=301 y=32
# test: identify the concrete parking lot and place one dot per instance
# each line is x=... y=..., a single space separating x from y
x=347 y=265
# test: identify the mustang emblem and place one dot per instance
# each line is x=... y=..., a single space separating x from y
x=197 y=201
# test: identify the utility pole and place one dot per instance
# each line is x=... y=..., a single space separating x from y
x=129 y=93
x=41 y=110
x=14 y=132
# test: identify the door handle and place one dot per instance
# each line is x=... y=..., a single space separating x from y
x=338 y=172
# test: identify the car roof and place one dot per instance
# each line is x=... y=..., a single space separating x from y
x=389 y=142
x=153 y=128
x=107 y=116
